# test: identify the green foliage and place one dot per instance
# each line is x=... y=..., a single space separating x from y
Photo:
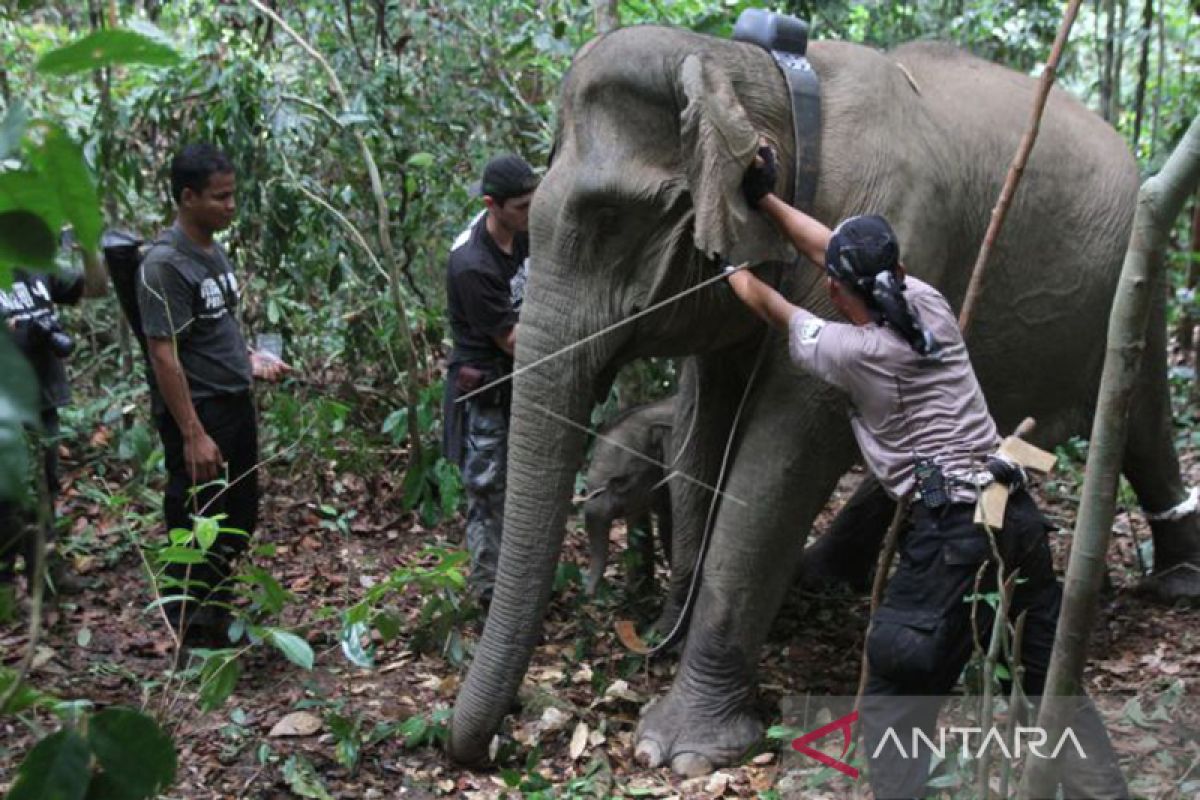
x=444 y=609
x=18 y=408
x=295 y=649
x=25 y=696
x=218 y=678
x=426 y=730
x=117 y=753
x=57 y=766
x=136 y=756
x=105 y=48
x=303 y=779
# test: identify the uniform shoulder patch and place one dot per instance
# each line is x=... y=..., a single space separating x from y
x=810 y=330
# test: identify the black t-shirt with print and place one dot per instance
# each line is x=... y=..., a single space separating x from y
x=31 y=299
x=484 y=290
x=190 y=294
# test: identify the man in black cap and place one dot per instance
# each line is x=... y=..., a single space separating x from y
x=923 y=427
x=485 y=284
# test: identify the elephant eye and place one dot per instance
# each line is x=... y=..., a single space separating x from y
x=618 y=482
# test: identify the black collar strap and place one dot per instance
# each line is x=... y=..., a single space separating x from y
x=786 y=39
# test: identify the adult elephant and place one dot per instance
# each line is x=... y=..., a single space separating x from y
x=656 y=127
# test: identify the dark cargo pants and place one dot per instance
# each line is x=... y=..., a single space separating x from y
x=230 y=421
x=922 y=636
x=485 y=470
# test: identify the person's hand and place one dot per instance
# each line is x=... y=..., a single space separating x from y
x=266 y=367
x=760 y=176
x=202 y=457
x=739 y=280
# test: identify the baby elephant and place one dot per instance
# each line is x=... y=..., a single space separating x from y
x=623 y=485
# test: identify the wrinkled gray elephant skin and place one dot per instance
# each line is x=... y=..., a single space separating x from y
x=626 y=480
x=656 y=126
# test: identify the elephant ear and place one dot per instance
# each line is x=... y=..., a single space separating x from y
x=719 y=142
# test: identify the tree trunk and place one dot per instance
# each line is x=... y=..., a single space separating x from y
x=1118 y=63
x=1158 y=83
x=105 y=168
x=1185 y=333
x=1159 y=202
x=1106 y=61
x=1139 y=102
x=607 y=16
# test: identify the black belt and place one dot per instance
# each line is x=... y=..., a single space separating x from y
x=786 y=39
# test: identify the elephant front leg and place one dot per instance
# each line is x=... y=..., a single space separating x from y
x=706 y=720
x=707 y=403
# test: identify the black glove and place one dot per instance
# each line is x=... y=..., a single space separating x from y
x=760 y=180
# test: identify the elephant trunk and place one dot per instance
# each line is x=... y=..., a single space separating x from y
x=545 y=451
x=598 y=525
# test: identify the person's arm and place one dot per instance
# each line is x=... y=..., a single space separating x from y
x=809 y=236
x=200 y=452
x=760 y=298
x=507 y=341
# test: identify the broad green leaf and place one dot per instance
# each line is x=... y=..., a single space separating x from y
x=25 y=696
x=181 y=555
x=388 y=624
x=414 y=730
x=18 y=406
x=57 y=767
x=292 y=646
x=25 y=241
x=420 y=160
x=207 y=531
x=303 y=779
x=102 y=48
x=65 y=173
x=218 y=679
x=137 y=756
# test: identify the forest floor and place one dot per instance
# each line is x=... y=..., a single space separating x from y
x=288 y=732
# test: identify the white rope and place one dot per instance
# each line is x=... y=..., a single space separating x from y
x=718 y=277
x=689 y=600
x=1185 y=509
x=642 y=456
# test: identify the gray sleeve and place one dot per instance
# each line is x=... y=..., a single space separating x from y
x=820 y=346
x=164 y=299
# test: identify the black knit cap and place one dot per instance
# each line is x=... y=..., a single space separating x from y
x=506 y=176
x=861 y=248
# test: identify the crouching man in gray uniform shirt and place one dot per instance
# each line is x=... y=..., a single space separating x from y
x=923 y=426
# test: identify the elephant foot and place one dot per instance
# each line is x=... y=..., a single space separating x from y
x=1178 y=583
x=1176 y=576
x=827 y=564
x=679 y=731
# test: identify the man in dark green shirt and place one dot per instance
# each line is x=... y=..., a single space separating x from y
x=202 y=373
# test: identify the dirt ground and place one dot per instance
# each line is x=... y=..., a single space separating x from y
x=580 y=700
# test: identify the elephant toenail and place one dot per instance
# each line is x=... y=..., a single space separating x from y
x=648 y=754
x=691 y=765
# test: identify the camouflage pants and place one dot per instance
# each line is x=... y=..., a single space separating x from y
x=485 y=470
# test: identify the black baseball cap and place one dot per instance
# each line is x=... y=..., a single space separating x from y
x=861 y=248
x=506 y=176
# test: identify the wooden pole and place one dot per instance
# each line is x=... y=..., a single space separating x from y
x=1017 y=169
